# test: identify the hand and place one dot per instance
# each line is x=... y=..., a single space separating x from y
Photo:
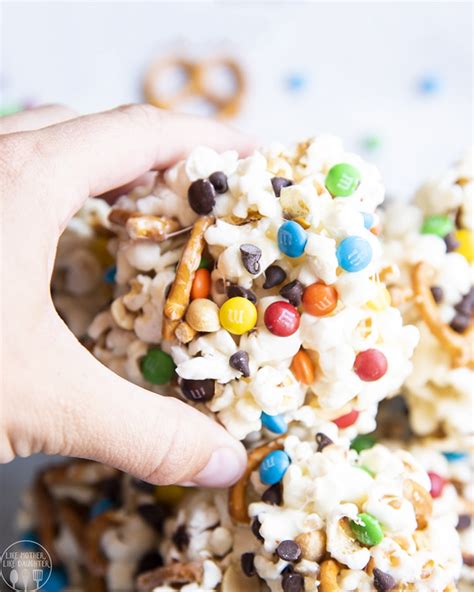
x=56 y=398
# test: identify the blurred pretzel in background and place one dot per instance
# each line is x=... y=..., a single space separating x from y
x=197 y=83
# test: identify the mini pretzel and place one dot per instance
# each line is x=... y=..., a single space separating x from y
x=175 y=573
x=185 y=333
x=421 y=500
x=328 y=573
x=178 y=298
x=155 y=228
x=459 y=346
x=238 y=493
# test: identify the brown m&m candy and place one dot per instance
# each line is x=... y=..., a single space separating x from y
x=198 y=390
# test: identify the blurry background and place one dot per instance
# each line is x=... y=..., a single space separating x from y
x=394 y=80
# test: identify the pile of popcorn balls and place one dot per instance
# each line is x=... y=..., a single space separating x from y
x=332 y=336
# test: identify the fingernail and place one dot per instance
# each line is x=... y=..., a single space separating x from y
x=223 y=469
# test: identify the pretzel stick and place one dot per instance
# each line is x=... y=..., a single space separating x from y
x=238 y=492
x=155 y=228
x=178 y=298
x=459 y=346
x=175 y=573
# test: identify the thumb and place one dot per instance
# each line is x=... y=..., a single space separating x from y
x=93 y=413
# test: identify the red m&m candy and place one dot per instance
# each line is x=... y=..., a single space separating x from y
x=370 y=365
x=319 y=300
x=347 y=420
x=437 y=484
x=282 y=319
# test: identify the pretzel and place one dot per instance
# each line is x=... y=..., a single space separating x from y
x=155 y=228
x=178 y=297
x=175 y=573
x=238 y=492
x=184 y=333
x=328 y=573
x=421 y=501
x=195 y=84
x=459 y=346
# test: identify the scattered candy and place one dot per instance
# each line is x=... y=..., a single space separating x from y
x=465 y=239
x=429 y=84
x=274 y=275
x=202 y=196
x=437 y=484
x=296 y=82
x=454 y=456
x=157 y=367
x=367 y=529
x=293 y=292
x=303 y=368
x=347 y=420
x=451 y=243
x=273 y=495
x=322 y=441
x=292 y=239
x=282 y=319
x=201 y=287
x=437 y=224
x=288 y=550
x=238 y=315
x=437 y=293
x=240 y=361
x=354 y=253
x=234 y=290
x=247 y=564
x=369 y=219
x=255 y=527
x=100 y=506
x=273 y=467
x=109 y=274
x=292 y=582
x=198 y=390
x=362 y=442
x=319 y=299
x=371 y=143
x=464 y=522
x=57 y=581
x=383 y=582
x=460 y=322
x=278 y=183
x=205 y=263
x=370 y=365
x=219 y=181
x=342 y=180
x=251 y=256
x=274 y=423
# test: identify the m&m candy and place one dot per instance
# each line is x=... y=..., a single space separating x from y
x=201 y=286
x=273 y=467
x=274 y=423
x=362 y=442
x=370 y=365
x=238 y=315
x=102 y=505
x=319 y=299
x=157 y=366
x=282 y=319
x=109 y=274
x=368 y=219
x=354 y=253
x=347 y=420
x=437 y=224
x=342 y=180
x=454 y=456
x=292 y=239
x=465 y=239
x=367 y=529
x=437 y=484
x=303 y=368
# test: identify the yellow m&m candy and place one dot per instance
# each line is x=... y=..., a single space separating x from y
x=238 y=315
x=381 y=298
x=465 y=238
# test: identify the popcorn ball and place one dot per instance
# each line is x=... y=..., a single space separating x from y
x=428 y=264
x=250 y=288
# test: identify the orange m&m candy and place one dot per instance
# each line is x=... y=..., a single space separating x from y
x=303 y=368
x=319 y=299
x=201 y=287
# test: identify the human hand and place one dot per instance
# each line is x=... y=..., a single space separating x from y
x=56 y=398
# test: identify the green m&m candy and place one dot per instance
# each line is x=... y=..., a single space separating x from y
x=437 y=224
x=362 y=442
x=367 y=529
x=342 y=180
x=157 y=367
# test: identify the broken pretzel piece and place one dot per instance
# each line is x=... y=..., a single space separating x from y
x=238 y=493
x=179 y=296
x=458 y=345
x=173 y=574
x=154 y=228
x=184 y=332
x=328 y=573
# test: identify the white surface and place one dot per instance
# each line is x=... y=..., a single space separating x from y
x=362 y=61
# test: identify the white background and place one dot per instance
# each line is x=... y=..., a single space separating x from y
x=362 y=62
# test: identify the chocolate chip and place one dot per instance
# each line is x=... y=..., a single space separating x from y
x=273 y=495
x=322 y=441
x=466 y=305
x=460 y=323
x=293 y=292
x=247 y=563
x=234 y=290
x=198 y=390
x=274 y=275
x=288 y=550
x=219 y=181
x=149 y=561
x=142 y=485
x=451 y=243
x=153 y=515
x=180 y=538
x=383 y=582
x=292 y=582
x=278 y=183
x=468 y=559
x=256 y=529
x=464 y=521
x=240 y=361
x=437 y=293
x=202 y=196
x=251 y=256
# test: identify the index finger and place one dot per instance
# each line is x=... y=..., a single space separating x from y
x=96 y=153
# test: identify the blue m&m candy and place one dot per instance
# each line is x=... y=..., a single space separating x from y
x=100 y=507
x=109 y=274
x=354 y=253
x=273 y=467
x=454 y=456
x=292 y=239
x=368 y=219
x=274 y=423
x=56 y=582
